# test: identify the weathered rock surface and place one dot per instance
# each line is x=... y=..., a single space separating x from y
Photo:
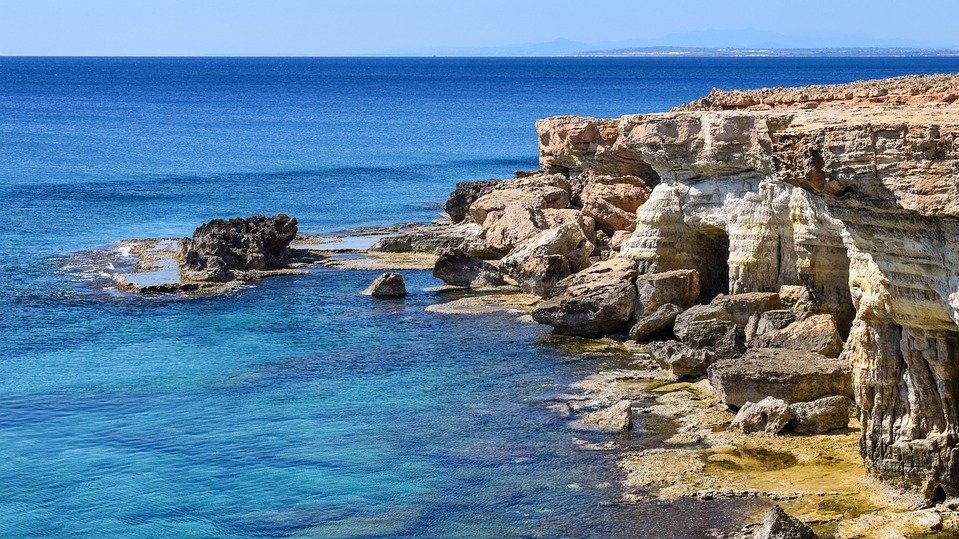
x=388 y=285
x=779 y=525
x=465 y=193
x=655 y=323
x=546 y=258
x=540 y=192
x=818 y=333
x=456 y=268
x=433 y=238
x=821 y=415
x=613 y=200
x=680 y=287
x=769 y=416
x=596 y=301
x=850 y=191
x=221 y=248
x=616 y=418
x=709 y=327
x=680 y=360
x=741 y=307
x=790 y=375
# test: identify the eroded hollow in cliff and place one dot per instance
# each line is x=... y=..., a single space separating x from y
x=708 y=248
x=828 y=279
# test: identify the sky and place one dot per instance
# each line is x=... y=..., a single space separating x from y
x=459 y=27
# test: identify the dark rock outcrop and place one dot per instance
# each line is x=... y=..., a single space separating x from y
x=221 y=248
x=456 y=268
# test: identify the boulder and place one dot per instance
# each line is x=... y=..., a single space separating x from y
x=613 y=200
x=388 y=285
x=779 y=525
x=769 y=416
x=790 y=375
x=221 y=247
x=679 y=287
x=741 y=307
x=768 y=321
x=517 y=222
x=539 y=191
x=616 y=418
x=456 y=268
x=538 y=264
x=817 y=333
x=709 y=327
x=821 y=415
x=683 y=362
x=555 y=218
x=656 y=323
x=596 y=301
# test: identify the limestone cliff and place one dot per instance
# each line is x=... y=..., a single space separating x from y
x=849 y=190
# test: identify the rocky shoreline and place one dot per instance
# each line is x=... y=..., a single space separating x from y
x=777 y=265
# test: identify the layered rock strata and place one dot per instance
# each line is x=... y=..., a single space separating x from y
x=851 y=191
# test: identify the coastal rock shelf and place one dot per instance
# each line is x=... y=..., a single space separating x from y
x=851 y=191
x=221 y=254
x=818 y=223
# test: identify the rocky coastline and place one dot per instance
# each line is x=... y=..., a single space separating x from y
x=778 y=266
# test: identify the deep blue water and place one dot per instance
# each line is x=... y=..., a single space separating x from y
x=299 y=408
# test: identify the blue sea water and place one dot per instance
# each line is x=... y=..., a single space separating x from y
x=299 y=408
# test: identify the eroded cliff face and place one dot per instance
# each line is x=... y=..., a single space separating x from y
x=849 y=190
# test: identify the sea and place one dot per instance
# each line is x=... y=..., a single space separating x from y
x=298 y=407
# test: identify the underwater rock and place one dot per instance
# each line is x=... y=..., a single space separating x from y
x=616 y=418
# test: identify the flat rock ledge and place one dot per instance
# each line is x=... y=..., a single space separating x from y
x=220 y=256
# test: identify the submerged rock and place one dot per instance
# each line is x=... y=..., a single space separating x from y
x=388 y=285
x=790 y=375
x=779 y=525
x=616 y=418
x=596 y=301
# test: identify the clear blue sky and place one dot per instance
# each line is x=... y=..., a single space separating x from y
x=374 y=27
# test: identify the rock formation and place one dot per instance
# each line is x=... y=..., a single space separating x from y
x=221 y=255
x=388 y=285
x=848 y=191
x=221 y=248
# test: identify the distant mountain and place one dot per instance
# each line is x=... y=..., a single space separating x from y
x=717 y=42
x=774 y=52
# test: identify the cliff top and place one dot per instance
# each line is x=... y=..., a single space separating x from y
x=907 y=90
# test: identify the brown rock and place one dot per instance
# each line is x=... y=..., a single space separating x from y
x=388 y=285
x=456 y=268
x=818 y=333
x=538 y=264
x=680 y=360
x=596 y=301
x=679 y=287
x=655 y=323
x=790 y=375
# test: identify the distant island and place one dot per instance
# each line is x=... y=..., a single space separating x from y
x=772 y=52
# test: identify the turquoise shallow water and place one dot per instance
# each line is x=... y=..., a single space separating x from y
x=299 y=408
